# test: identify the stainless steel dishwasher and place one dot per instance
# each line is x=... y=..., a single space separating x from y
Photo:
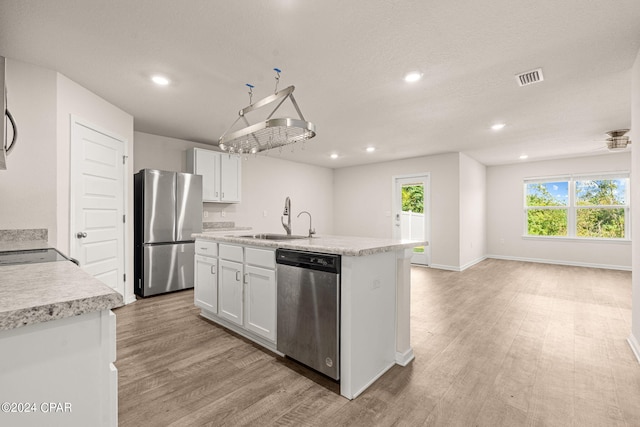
x=309 y=309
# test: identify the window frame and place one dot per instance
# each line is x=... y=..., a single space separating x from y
x=572 y=207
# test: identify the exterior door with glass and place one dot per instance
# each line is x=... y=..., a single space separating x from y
x=411 y=213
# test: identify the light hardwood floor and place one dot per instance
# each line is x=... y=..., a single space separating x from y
x=503 y=343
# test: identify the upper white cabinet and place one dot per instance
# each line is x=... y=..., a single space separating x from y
x=220 y=174
x=229 y=178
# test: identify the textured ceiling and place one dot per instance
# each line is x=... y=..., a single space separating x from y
x=347 y=60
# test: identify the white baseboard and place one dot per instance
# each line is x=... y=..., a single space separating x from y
x=129 y=299
x=536 y=260
x=456 y=267
x=472 y=263
x=445 y=267
x=562 y=262
x=403 y=359
x=635 y=346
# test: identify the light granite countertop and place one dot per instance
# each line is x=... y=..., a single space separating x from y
x=340 y=245
x=35 y=293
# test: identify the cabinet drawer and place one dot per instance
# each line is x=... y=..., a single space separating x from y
x=260 y=257
x=231 y=252
x=206 y=248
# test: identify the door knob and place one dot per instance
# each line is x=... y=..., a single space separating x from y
x=81 y=234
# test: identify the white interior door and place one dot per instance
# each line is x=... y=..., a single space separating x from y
x=411 y=216
x=97 y=203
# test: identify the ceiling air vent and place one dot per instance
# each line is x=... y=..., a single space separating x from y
x=530 y=77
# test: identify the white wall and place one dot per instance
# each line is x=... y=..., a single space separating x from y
x=266 y=181
x=28 y=186
x=35 y=188
x=363 y=205
x=74 y=99
x=473 y=211
x=634 y=338
x=505 y=217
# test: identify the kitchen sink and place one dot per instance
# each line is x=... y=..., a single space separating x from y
x=267 y=236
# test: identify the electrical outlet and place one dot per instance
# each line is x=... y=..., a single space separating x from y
x=264 y=214
x=223 y=214
x=206 y=214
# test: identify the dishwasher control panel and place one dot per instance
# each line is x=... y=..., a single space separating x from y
x=310 y=260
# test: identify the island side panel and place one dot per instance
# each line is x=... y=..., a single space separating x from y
x=368 y=320
x=64 y=369
x=404 y=352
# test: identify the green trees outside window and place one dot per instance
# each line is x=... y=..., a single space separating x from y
x=550 y=219
x=590 y=208
x=601 y=211
x=413 y=198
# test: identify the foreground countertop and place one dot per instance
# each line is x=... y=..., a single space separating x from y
x=35 y=293
x=340 y=245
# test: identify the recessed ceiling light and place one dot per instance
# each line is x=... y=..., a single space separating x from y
x=334 y=156
x=160 y=80
x=524 y=156
x=498 y=126
x=371 y=149
x=413 y=76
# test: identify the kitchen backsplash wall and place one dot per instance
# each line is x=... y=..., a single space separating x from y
x=266 y=182
x=37 y=234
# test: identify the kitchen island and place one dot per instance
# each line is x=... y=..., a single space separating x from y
x=374 y=297
x=57 y=345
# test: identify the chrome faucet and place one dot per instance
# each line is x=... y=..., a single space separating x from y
x=311 y=230
x=287 y=213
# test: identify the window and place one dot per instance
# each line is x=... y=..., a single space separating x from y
x=589 y=206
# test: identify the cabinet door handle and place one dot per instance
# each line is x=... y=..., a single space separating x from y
x=237 y=276
x=223 y=194
x=246 y=278
x=213 y=269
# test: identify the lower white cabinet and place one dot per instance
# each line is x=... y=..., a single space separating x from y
x=260 y=301
x=206 y=283
x=230 y=291
x=242 y=295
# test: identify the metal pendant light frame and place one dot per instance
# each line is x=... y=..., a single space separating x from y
x=270 y=133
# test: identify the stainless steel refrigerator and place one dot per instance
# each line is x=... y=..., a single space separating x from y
x=167 y=210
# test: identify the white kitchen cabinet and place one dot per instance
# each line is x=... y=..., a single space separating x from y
x=229 y=178
x=206 y=283
x=260 y=301
x=220 y=174
x=230 y=291
x=207 y=164
x=245 y=286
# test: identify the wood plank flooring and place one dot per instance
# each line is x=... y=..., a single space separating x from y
x=503 y=343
